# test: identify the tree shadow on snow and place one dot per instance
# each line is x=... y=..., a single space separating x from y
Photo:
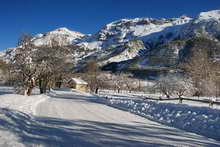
x=54 y=132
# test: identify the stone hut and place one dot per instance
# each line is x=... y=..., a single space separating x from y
x=78 y=84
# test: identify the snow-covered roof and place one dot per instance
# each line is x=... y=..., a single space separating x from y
x=79 y=81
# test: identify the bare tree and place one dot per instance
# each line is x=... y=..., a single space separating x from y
x=23 y=67
x=44 y=64
x=200 y=68
x=53 y=64
x=200 y=65
x=123 y=81
x=165 y=86
x=126 y=81
x=4 y=71
x=119 y=81
x=95 y=77
x=217 y=78
x=182 y=86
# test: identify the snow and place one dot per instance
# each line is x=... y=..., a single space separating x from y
x=118 y=33
x=65 y=31
x=130 y=29
x=124 y=56
x=91 y=44
x=11 y=106
x=209 y=16
x=79 y=81
x=39 y=35
x=63 y=35
x=145 y=30
x=2 y=53
x=192 y=117
x=109 y=126
x=22 y=103
x=73 y=118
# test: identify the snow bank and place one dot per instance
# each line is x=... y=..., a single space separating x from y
x=16 y=110
x=26 y=104
x=201 y=120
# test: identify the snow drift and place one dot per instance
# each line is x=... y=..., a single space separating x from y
x=201 y=120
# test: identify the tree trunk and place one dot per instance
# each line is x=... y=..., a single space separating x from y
x=59 y=85
x=96 y=90
x=29 y=91
x=42 y=86
x=168 y=96
x=41 y=90
x=25 y=92
x=180 y=100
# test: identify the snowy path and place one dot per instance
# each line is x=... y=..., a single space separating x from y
x=74 y=119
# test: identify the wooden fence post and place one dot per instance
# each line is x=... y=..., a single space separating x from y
x=211 y=103
x=180 y=100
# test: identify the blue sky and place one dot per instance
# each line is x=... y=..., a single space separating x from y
x=86 y=16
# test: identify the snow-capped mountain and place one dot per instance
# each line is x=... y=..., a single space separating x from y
x=207 y=24
x=124 y=30
x=128 y=42
x=62 y=35
x=209 y=16
x=111 y=42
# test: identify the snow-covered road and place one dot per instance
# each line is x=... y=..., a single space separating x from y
x=75 y=119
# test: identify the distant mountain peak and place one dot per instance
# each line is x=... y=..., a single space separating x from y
x=62 y=29
x=62 y=35
x=65 y=31
x=209 y=15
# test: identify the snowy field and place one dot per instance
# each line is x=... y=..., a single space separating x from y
x=191 y=116
x=66 y=118
x=15 y=108
x=20 y=102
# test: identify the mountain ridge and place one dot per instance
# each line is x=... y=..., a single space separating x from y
x=127 y=39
